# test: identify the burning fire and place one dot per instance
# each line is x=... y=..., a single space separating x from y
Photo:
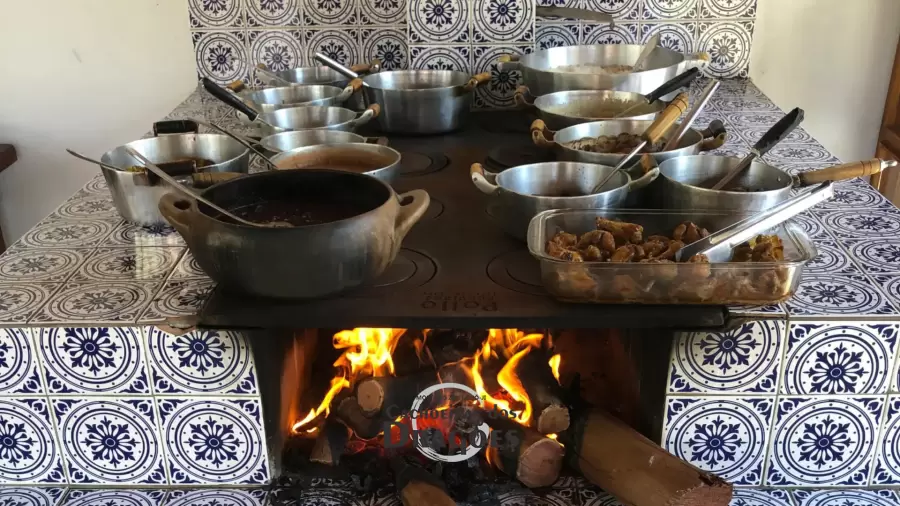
x=369 y=352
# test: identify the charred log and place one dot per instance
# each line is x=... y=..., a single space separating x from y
x=418 y=487
x=636 y=470
x=351 y=415
x=331 y=443
x=550 y=414
x=386 y=396
x=522 y=452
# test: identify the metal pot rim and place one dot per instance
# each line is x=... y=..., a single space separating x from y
x=371 y=77
x=344 y=147
x=560 y=48
x=287 y=133
x=268 y=116
x=541 y=165
x=285 y=173
x=690 y=132
x=105 y=158
x=662 y=172
x=335 y=92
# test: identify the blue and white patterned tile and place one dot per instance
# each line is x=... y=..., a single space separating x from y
x=592 y=495
x=838 y=295
x=619 y=9
x=761 y=497
x=556 y=35
x=745 y=104
x=875 y=256
x=97 y=302
x=889 y=285
x=768 y=311
x=187 y=268
x=740 y=87
x=678 y=37
x=19 y=302
x=133 y=497
x=503 y=21
x=92 y=360
x=725 y=436
x=751 y=134
x=266 y=13
x=728 y=45
x=19 y=363
x=750 y=119
x=831 y=259
x=110 y=440
x=743 y=359
x=845 y=497
x=622 y=33
x=839 y=358
x=811 y=225
x=128 y=264
x=346 y=497
x=387 y=46
x=383 y=12
x=341 y=45
x=855 y=195
x=333 y=13
x=862 y=224
x=178 y=298
x=201 y=362
x=728 y=9
x=216 y=13
x=820 y=441
x=276 y=49
x=887 y=456
x=441 y=58
x=129 y=234
x=807 y=153
x=498 y=92
x=670 y=9
x=87 y=206
x=214 y=440
x=29 y=452
x=221 y=56
x=217 y=497
x=439 y=21
x=31 y=496
x=67 y=234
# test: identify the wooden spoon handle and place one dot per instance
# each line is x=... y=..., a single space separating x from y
x=666 y=118
x=845 y=171
x=541 y=135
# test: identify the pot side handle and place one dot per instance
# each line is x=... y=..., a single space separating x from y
x=370 y=113
x=651 y=171
x=523 y=97
x=381 y=141
x=714 y=136
x=476 y=80
x=541 y=135
x=845 y=171
x=202 y=180
x=508 y=62
x=178 y=210
x=367 y=68
x=699 y=59
x=410 y=213
x=482 y=179
x=351 y=88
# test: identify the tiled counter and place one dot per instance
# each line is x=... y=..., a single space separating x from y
x=93 y=392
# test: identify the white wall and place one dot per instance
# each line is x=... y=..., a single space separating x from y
x=84 y=74
x=833 y=59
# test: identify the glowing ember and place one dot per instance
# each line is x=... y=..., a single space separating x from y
x=510 y=382
x=368 y=350
x=554 y=365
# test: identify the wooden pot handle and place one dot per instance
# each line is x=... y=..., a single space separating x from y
x=207 y=179
x=476 y=80
x=541 y=135
x=666 y=118
x=845 y=171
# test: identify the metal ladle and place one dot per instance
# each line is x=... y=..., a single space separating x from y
x=645 y=53
x=268 y=73
x=171 y=181
x=337 y=67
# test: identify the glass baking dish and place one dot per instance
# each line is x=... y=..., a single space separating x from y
x=753 y=283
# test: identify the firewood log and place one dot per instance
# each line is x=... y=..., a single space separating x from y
x=388 y=395
x=528 y=456
x=351 y=415
x=417 y=487
x=550 y=415
x=621 y=461
x=331 y=443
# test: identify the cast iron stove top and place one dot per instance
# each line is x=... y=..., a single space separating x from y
x=457 y=269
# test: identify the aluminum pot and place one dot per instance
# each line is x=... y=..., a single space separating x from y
x=567 y=108
x=374 y=160
x=323 y=75
x=684 y=182
x=315 y=118
x=287 y=141
x=693 y=141
x=301 y=261
x=568 y=68
x=422 y=101
x=519 y=193
x=272 y=99
x=136 y=196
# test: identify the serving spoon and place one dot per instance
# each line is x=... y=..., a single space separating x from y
x=171 y=181
x=642 y=58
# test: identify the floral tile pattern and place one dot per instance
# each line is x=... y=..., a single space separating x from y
x=845 y=497
x=499 y=21
x=218 y=497
x=18 y=363
x=30 y=452
x=31 y=496
x=132 y=497
x=128 y=264
x=97 y=302
x=727 y=436
x=761 y=497
x=201 y=361
x=823 y=441
x=887 y=458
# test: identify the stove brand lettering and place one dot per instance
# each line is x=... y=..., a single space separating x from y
x=459 y=302
x=458 y=446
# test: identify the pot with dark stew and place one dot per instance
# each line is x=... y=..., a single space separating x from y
x=346 y=230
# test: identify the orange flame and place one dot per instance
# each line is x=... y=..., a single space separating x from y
x=510 y=382
x=554 y=365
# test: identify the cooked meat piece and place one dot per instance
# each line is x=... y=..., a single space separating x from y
x=701 y=269
x=660 y=238
x=557 y=251
x=592 y=253
x=600 y=238
x=626 y=232
x=670 y=251
x=639 y=253
x=571 y=256
x=742 y=253
x=699 y=259
x=768 y=248
x=653 y=248
x=666 y=270
x=626 y=286
x=623 y=254
x=565 y=239
x=689 y=232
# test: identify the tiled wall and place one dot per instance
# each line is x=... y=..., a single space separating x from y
x=129 y=406
x=778 y=404
x=232 y=36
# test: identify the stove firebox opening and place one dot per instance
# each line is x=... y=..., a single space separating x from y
x=465 y=415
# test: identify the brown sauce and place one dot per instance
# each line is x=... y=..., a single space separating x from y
x=298 y=214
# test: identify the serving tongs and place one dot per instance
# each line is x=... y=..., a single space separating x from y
x=718 y=246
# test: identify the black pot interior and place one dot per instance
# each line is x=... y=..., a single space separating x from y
x=300 y=197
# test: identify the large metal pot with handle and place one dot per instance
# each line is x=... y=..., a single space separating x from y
x=685 y=182
x=519 y=193
x=322 y=75
x=693 y=141
x=375 y=160
x=272 y=99
x=287 y=141
x=347 y=230
x=568 y=68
